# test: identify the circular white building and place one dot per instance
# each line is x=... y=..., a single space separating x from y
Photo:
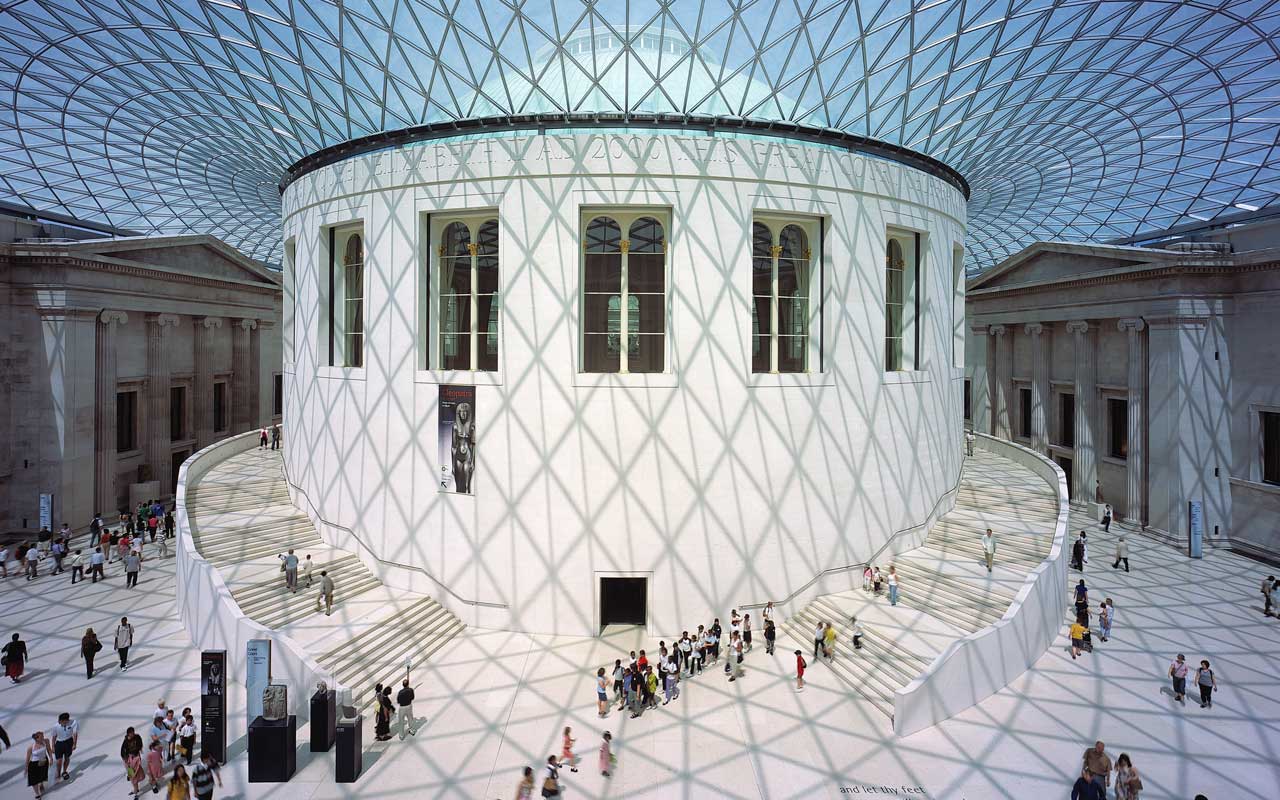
x=714 y=359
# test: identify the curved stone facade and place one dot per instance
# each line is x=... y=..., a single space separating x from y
x=707 y=468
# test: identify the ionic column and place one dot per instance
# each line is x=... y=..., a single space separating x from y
x=1002 y=380
x=105 y=384
x=1136 y=462
x=1039 y=388
x=204 y=342
x=159 y=454
x=1084 y=464
x=243 y=370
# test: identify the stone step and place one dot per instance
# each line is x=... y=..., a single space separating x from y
x=875 y=642
x=1004 y=555
x=276 y=582
x=973 y=593
x=300 y=605
x=881 y=673
x=379 y=633
x=225 y=556
x=206 y=533
x=845 y=672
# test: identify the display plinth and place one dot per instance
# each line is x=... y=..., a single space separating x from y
x=349 y=759
x=273 y=750
x=324 y=719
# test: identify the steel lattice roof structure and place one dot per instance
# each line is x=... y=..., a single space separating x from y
x=1085 y=121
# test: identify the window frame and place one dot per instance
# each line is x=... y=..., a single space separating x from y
x=914 y=246
x=1109 y=397
x=277 y=394
x=625 y=216
x=1266 y=416
x=430 y=316
x=337 y=334
x=214 y=402
x=813 y=229
x=1021 y=391
x=134 y=427
x=184 y=433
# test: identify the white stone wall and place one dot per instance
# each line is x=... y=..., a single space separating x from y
x=722 y=487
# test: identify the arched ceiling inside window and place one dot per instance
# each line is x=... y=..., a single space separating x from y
x=1070 y=120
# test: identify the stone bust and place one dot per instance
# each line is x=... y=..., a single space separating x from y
x=275 y=702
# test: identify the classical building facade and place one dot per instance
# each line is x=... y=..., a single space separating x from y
x=118 y=359
x=1149 y=374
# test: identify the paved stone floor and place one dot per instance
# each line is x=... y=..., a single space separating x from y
x=495 y=701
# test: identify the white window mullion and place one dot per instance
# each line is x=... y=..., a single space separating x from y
x=475 y=305
x=774 y=316
x=624 y=323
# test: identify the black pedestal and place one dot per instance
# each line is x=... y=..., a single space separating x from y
x=273 y=750
x=349 y=759
x=324 y=718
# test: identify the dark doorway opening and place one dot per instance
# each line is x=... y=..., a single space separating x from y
x=622 y=601
x=1065 y=463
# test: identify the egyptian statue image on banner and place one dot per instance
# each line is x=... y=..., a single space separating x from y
x=457 y=417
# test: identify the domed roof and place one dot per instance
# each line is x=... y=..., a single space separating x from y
x=1077 y=120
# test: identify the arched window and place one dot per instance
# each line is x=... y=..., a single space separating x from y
x=901 y=306
x=469 y=296
x=781 y=296
x=346 y=288
x=624 y=294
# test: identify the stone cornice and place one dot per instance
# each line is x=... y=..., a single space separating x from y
x=138 y=271
x=64 y=312
x=1112 y=278
x=1189 y=321
x=978 y=330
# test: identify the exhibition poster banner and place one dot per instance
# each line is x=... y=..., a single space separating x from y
x=457 y=415
x=258 y=667
x=213 y=705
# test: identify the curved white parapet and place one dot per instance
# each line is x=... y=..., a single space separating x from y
x=981 y=664
x=211 y=616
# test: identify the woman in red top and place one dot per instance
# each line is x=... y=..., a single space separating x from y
x=800 y=665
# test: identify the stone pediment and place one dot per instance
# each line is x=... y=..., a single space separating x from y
x=197 y=255
x=1049 y=262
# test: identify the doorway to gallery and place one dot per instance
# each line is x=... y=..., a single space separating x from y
x=623 y=601
x=1065 y=463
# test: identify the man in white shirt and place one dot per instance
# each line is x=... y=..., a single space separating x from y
x=96 y=560
x=306 y=569
x=77 y=567
x=65 y=736
x=989 y=548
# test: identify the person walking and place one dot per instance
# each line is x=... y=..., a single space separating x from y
x=770 y=636
x=1106 y=517
x=566 y=750
x=1078 y=632
x=524 y=789
x=876 y=579
x=866 y=579
x=290 y=564
x=77 y=567
x=89 y=647
x=800 y=665
x=989 y=548
x=187 y=737
x=829 y=643
x=39 y=753
x=262 y=439
x=893 y=586
x=1077 y=553
x=969 y=439
x=607 y=760
x=1122 y=554
x=551 y=778
x=1098 y=763
x=855 y=632
x=671 y=679
x=602 y=694
x=124 y=640
x=1268 y=583
x=65 y=735
x=155 y=766
x=59 y=552
x=169 y=524
x=746 y=631
x=179 y=784
x=736 y=657
x=132 y=566
x=326 y=593
x=1128 y=783
x=818 y=635
x=14 y=658
x=275 y=437
x=404 y=710
x=767 y=613
x=203 y=776
x=1104 y=620
x=134 y=772
x=651 y=686
x=33 y=563
x=1085 y=789
x=306 y=569
x=1207 y=684
x=96 y=563
x=1178 y=672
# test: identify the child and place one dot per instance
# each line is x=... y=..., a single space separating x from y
x=187 y=737
x=566 y=752
x=651 y=682
x=770 y=634
x=155 y=766
x=602 y=693
x=866 y=579
x=607 y=761
x=829 y=643
x=800 y=665
x=875 y=580
x=134 y=772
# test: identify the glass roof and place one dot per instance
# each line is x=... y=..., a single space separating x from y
x=1070 y=120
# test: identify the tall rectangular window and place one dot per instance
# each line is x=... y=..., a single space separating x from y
x=957 y=306
x=277 y=396
x=346 y=296
x=902 y=301
x=219 y=407
x=1271 y=447
x=177 y=413
x=624 y=292
x=468 y=269
x=1024 y=412
x=783 y=306
x=968 y=400
x=126 y=421
x=1117 y=427
x=1067 y=420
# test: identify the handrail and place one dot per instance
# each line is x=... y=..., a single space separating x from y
x=874 y=556
x=316 y=514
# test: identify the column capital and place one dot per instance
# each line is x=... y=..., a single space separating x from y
x=210 y=322
x=1078 y=326
x=164 y=319
x=112 y=317
x=978 y=329
x=1134 y=324
x=998 y=330
x=1033 y=329
x=247 y=324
